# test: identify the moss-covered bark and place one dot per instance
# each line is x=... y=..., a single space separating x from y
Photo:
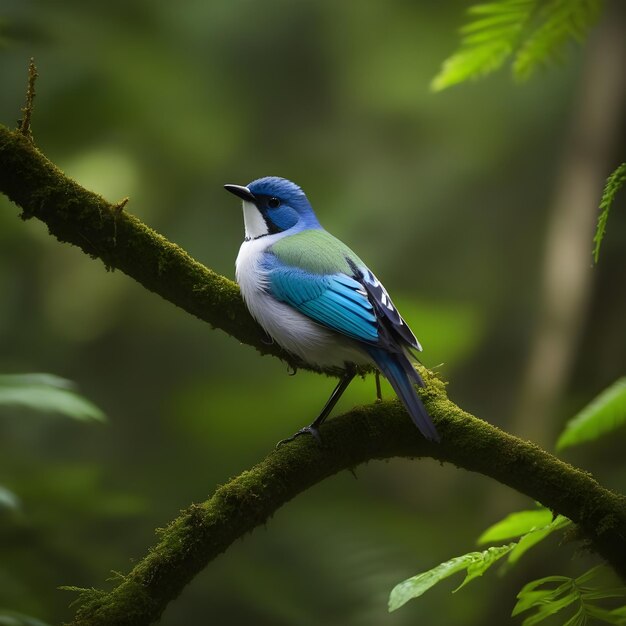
x=106 y=231
x=378 y=431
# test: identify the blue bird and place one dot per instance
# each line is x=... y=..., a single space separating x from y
x=318 y=300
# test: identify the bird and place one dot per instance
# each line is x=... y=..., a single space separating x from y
x=318 y=300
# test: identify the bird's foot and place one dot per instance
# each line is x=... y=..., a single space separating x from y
x=311 y=430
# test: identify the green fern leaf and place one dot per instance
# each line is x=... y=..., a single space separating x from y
x=613 y=184
x=530 y=595
x=488 y=40
x=550 y=595
x=535 y=32
x=560 y=21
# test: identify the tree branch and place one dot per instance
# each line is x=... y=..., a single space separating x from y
x=105 y=231
x=378 y=431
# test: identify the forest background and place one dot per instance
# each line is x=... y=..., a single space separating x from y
x=453 y=197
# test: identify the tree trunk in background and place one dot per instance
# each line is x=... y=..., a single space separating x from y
x=567 y=270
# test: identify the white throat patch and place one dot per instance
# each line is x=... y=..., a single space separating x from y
x=253 y=221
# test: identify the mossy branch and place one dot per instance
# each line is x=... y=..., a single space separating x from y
x=104 y=230
x=378 y=431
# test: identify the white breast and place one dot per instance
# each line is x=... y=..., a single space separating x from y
x=292 y=330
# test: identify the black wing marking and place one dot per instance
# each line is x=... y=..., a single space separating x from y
x=394 y=329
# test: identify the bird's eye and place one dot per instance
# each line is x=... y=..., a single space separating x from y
x=273 y=203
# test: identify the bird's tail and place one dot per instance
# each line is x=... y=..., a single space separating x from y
x=399 y=371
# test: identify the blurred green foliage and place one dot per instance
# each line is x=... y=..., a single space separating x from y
x=533 y=32
x=445 y=196
x=603 y=415
x=47 y=393
x=11 y=618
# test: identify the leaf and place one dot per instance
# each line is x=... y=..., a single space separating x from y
x=534 y=598
x=613 y=184
x=601 y=594
x=560 y=21
x=479 y=566
x=589 y=574
x=533 y=526
x=534 y=537
x=546 y=601
x=533 y=584
x=487 y=42
x=546 y=610
x=534 y=33
x=620 y=611
x=8 y=500
x=516 y=524
x=47 y=380
x=602 y=415
x=46 y=393
x=578 y=619
x=559 y=592
x=530 y=596
x=603 y=615
x=11 y=618
x=476 y=563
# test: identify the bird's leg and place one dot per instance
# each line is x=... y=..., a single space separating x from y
x=313 y=428
x=379 y=392
x=342 y=385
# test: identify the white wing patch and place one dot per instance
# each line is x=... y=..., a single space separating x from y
x=387 y=308
x=384 y=296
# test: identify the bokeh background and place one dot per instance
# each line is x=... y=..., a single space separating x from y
x=452 y=198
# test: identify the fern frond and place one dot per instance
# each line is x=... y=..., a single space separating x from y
x=560 y=22
x=613 y=185
x=550 y=595
x=534 y=32
x=488 y=40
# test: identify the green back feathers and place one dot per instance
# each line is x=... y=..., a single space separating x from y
x=315 y=251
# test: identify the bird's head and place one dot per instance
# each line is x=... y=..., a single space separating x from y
x=273 y=205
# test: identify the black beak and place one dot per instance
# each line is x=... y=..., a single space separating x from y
x=243 y=192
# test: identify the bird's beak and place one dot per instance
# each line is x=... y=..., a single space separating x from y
x=243 y=192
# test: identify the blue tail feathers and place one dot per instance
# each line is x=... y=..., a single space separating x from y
x=399 y=371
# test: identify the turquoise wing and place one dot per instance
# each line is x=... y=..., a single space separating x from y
x=333 y=300
x=321 y=277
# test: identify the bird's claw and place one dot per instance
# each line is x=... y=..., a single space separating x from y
x=311 y=430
